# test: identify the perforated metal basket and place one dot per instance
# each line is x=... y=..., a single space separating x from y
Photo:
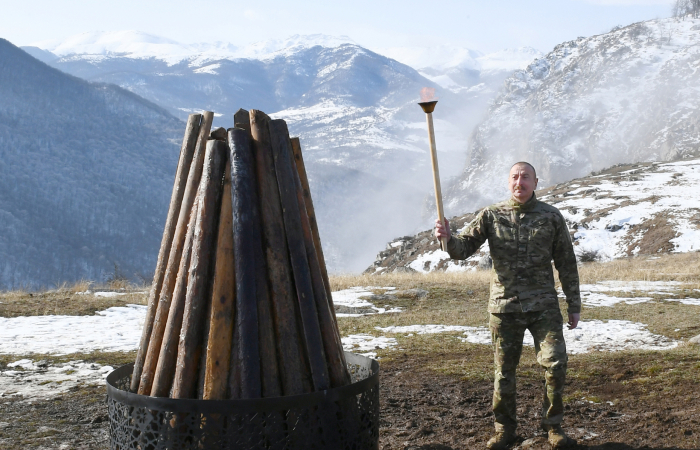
x=344 y=418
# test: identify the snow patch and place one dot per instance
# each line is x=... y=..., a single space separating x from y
x=590 y=335
x=595 y=294
x=428 y=261
x=31 y=380
x=351 y=298
x=366 y=344
x=113 y=330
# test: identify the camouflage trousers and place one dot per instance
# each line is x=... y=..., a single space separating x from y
x=507 y=331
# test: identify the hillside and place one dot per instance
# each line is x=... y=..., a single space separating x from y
x=85 y=176
x=626 y=210
x=364 y=138
x=626 y=96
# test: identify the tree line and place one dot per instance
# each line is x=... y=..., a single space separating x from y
x=682 y=8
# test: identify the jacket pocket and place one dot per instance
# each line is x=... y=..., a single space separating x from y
x=540 y=241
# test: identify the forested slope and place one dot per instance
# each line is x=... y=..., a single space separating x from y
x=85 y=175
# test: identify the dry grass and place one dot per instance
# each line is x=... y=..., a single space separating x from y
x=411 y=280
x=461 y=299
x=684 y=267
x=453 y=299
x=66 y=300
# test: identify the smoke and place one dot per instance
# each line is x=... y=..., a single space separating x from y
x=368 y=193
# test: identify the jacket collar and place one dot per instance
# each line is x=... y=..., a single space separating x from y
x=527 y=206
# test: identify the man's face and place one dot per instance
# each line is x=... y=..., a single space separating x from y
x=522 y=182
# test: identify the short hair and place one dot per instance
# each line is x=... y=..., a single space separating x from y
x=524 y=163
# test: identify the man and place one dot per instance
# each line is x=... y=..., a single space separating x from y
x=524 y=236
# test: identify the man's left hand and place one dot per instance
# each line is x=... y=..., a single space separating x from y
x=573 y=320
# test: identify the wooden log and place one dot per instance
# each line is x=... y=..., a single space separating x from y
x=311 y=212
x=222 y=308
x=329 y=325
x=183 y=167
x=244 y=202
x=171 y=271
x=200 y=279
x=295 y=376
x=284 y=167
x=270 y=376
x=234 y=372
x=268 y=352
x=241 y=119
x=218 y=133
x=167 y=356
x=337 y=368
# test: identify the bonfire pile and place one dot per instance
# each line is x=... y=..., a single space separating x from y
x=240 y=305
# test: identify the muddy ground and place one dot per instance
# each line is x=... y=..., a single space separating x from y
x=426 y=409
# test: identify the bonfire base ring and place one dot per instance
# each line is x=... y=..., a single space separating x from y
x=344 y=418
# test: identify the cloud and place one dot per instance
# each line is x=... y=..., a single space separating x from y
x=253 y=15
x=629 y=2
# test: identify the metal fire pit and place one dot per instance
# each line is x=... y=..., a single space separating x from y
x=344 y=418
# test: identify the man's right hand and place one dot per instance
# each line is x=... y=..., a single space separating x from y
x=441 y=231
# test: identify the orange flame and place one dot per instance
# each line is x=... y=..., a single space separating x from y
x=427 y=94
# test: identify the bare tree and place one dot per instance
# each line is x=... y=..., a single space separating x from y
x=682 y=8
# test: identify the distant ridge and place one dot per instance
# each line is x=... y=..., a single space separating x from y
x=139 y=45
x=85 y=175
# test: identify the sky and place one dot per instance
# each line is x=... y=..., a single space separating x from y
x=483 y=25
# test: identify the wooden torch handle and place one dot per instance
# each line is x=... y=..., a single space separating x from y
x=436 y=176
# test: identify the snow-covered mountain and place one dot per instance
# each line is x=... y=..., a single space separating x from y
x=626 y=210
x=459 y=68
x=364 y=137
x=624 y=96
x=139 y=45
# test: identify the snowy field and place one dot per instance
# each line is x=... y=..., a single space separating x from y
x=119 y=329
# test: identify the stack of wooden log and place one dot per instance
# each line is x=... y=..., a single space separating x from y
x=240 y=305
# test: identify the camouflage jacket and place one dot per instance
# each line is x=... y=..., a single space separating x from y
x=523 y=240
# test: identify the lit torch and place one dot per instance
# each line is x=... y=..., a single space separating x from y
x=428 y=104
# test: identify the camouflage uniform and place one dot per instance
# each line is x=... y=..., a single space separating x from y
x=523 y=240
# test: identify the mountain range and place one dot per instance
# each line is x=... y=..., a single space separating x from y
x=364 y=138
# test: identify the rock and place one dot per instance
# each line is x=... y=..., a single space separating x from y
x=694 y=340
x=403 y=269
x=340 y=309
